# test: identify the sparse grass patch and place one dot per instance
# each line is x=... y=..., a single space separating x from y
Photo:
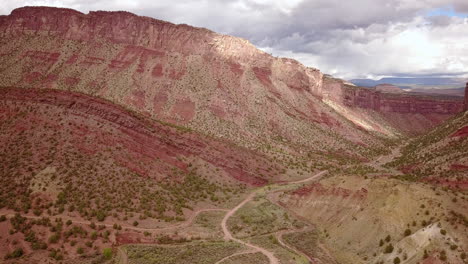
x=260 y=217
x=195 y=253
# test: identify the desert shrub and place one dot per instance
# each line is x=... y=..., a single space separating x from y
x=396 y=260
x=15 y=254
x=443 y=255
x=388 y=249
x=54 y=238
x=107 y=253
x=55 y=254
x=38 y=245
x=100 y=216
x=407 y=232
x=426 y=255
x=443 y=232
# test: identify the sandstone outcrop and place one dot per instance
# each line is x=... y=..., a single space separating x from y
x=215 y=84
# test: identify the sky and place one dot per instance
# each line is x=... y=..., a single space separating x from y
x=347 y=39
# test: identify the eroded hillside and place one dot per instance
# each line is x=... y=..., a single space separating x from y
x=215 y=84
x=118 y=130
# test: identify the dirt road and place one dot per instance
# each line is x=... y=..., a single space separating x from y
x=279 y=237
x=228 y=235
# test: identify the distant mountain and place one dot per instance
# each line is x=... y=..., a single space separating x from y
x=413 y=82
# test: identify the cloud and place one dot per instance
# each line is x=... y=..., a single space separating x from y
x=359 y=38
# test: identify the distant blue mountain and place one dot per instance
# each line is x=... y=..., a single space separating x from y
x=413 y=82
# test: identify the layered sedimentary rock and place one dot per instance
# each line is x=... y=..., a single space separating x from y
x=405 y=112
x=95 y=126
x=384 y=101
x=216 y=84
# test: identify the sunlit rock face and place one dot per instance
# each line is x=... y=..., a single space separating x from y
x=217 y=84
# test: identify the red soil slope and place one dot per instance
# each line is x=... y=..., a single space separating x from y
x=95 y=126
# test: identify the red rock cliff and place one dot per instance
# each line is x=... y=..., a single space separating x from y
x=353 y=96
x=214 y=83
x=408 y=113
x=218 y=84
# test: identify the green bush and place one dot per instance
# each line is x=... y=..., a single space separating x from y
x=15 y=254
x=54 y=238
x=107 y=253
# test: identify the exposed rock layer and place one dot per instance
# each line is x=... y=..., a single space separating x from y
x=136 y=143
x=214 y=83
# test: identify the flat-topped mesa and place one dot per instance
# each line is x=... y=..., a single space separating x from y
x=390 y=101
x=124 y=28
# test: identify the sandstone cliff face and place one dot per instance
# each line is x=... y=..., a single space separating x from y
x=215 y=84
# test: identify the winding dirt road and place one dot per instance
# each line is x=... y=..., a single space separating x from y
x=313 y=177
x=279 y=237
x=236 y=254
x=228 y=235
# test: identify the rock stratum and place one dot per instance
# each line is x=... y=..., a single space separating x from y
x=215 y=84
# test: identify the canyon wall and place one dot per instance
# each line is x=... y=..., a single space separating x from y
x=216 y=84
x=353 y=96
x=389 y=113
